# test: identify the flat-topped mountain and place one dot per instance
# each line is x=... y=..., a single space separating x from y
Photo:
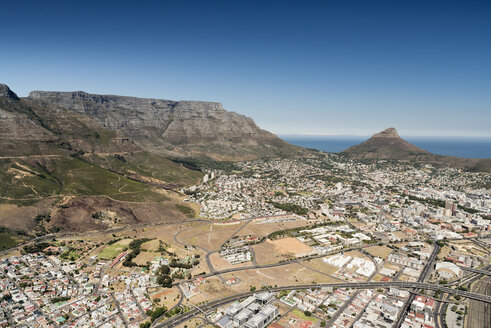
x=74 y=155
x=388 y=145
x=171 y=128
x=385 y=145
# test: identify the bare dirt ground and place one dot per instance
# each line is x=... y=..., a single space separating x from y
x=78 y=215
x=193 y=323
x=380 y=251
x=22 y=217
x=320 y=265
x=291 y=245
x=209 y=236
x=144 y=257
x=444 y=252
x=290 y=274
x=152 y=245
x=480 y=312
x=272 y=251
x=219 y=263
x=266 y=254
x=168 y=297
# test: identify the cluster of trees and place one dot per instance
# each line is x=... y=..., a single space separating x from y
x=113 y=241
x=154 y=315
x=165 y=279
x=35 y=248
x=163 y=276
x=135 y=247
x=59 y=299
x=434 y=202
x=176 y=264
x=289 y=207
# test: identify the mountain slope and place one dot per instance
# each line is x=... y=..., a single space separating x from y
x=60 y=163
x=385 y=145
x=170 y=128
x=71 y=155
x=388 y=145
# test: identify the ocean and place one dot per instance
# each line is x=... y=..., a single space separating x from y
x=467 y=147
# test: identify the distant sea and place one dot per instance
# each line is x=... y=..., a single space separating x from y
x=452 y=146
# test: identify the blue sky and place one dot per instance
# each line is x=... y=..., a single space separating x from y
x=295 y=67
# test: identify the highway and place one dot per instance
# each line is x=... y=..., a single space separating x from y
x=422 y=278
x=172 y=322
x=480 y=271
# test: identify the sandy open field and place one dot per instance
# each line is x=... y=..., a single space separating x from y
x=209 y=236
x=290 y=245
x=152 y=245
x=291 y=274
x=280 y=249
x=320 y=265
x=168 y=297
x=380 y=251
x=193 y=323
x=144 y=257
x=266 y=254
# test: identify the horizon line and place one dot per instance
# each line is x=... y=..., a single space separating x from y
x=369 y=135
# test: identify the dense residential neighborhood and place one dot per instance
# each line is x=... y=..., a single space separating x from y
x=354 y=238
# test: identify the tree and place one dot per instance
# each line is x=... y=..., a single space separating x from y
x=307 y=313
x=164 y=269
x=164 y=280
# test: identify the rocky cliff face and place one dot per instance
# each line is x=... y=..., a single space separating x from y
x=6 y=93
x=171 y=128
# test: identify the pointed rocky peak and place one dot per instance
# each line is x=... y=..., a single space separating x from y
x=387 y=133
x=385 y=145
x=5 y=92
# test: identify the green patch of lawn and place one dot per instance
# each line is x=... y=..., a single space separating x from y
x=188 y=211
x=109 y=252
x=302 y=316
x=7 y=240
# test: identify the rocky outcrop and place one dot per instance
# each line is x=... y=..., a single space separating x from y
x=5 y=92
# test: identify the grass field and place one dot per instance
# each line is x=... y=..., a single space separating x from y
x=24 y=179
x=299 y=314
x=109 y=252
x=7 y=240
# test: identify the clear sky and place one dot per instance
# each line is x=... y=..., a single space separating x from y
x=295 y=67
